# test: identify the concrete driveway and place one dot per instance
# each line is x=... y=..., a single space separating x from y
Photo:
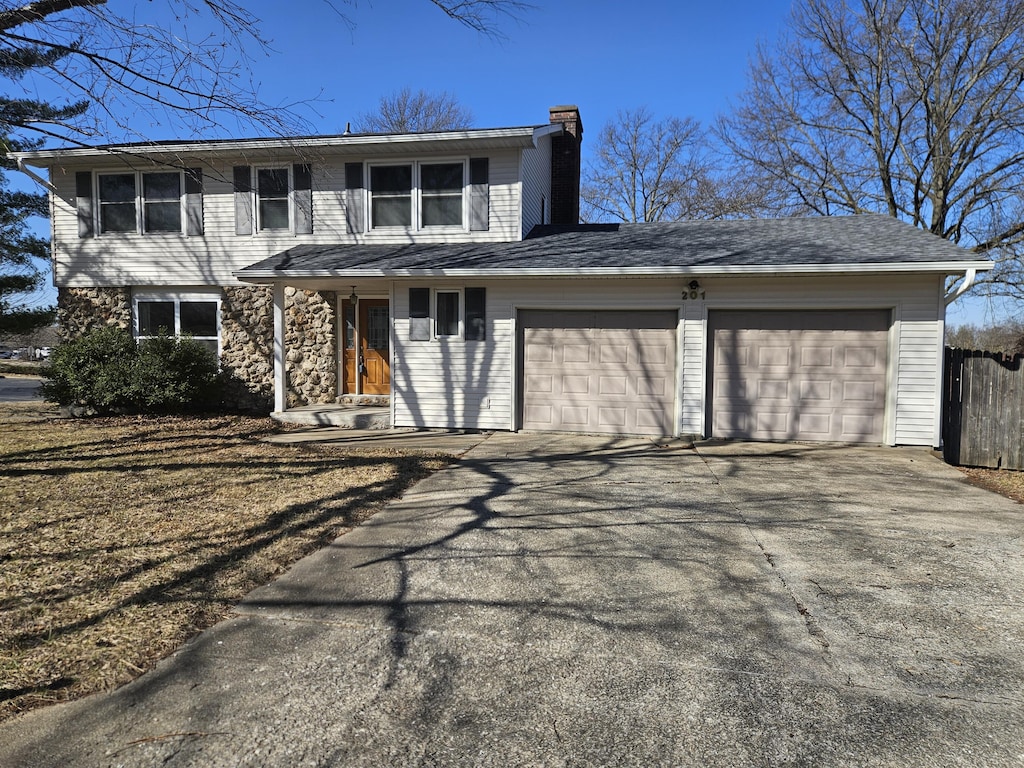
x=572 y=601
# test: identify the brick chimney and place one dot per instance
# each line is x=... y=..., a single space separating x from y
x=565 y=165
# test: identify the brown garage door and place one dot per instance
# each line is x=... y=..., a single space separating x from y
x=799 y=375
x=607 y=371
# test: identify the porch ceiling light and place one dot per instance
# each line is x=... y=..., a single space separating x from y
x=352 y=296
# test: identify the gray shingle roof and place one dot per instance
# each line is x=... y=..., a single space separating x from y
x=702 y=246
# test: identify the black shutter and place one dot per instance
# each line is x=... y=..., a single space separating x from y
x=84 y=204
x=302 y=194
x=193 y=201
x=419 y=314
x=243 y=200
x=355 y=203
x=479 y=194
x=476 y=314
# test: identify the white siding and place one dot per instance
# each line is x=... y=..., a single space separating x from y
x=536 y=196
x=451 y=382
x=473 y=384
x=691 y=368
x=171 y=259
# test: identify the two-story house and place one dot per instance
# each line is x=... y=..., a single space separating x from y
x=447 y=272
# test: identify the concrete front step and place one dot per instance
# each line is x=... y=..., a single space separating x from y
x=337 y=415
x=380 y=400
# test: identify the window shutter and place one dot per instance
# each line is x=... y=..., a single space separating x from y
x=479 y=193
x=243 y=200
x=476 y=314
x=193 y=201
x=84 y=204
x=355 y=202
x=419 y=314
x=302 y=196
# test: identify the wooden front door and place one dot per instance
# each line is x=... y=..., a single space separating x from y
x=367 y=358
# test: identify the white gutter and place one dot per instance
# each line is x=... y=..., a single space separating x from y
x=964 y=286
x=943 y=267
x=33 y=175
x=524 y=136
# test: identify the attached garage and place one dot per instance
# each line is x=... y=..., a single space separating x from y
x=598 y=371
x=792 y=375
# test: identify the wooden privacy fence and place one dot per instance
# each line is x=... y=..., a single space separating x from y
x=983 y=409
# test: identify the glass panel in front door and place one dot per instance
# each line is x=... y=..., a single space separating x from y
x=377 y=328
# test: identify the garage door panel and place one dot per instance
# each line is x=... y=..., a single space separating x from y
x=539 y=384
x=616 y=379
x=816 y=357
x=575 y=385
x=774 y=357
x=656 y=387
x=812 y=376
x=612 y=417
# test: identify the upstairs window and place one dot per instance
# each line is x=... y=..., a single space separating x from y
x=117 y=203
x=441 y=194
x=417 y=195
x=161 y=201
x=144 y=202
x=391 y=196
x=272 y=194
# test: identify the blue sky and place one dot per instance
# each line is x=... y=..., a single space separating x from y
x=679 y=58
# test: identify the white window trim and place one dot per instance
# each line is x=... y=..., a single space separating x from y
x=416 y=195
x=461 y=335
x=255 y=186
x=177 y=297
x=140 y=214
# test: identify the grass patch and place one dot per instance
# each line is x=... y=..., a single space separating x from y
x=120 y=538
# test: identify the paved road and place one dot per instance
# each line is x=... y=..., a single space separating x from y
x=15 y=389
x=578 y=602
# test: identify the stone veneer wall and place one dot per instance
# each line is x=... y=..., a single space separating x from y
x=83 y=309
x=247 y=339
x=310 y=339
x=247 y=347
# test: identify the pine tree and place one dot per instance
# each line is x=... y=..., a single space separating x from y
x=22 y=253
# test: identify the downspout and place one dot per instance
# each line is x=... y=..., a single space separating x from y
x=963 y=288
x=34 y=176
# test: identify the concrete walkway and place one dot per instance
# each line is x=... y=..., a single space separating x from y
x=578 y=601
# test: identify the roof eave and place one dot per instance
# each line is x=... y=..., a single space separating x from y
x=762 y=270
x=526 y=136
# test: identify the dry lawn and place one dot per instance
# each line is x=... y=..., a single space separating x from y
x=1004 y=481
x=120 y=538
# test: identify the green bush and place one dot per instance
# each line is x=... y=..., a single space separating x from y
x=106 y=371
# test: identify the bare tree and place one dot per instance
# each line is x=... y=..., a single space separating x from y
x=79 y=71
x=408 y=111
x=184 y=63
x=1006 y=337
x=911 y=108
x=647 y=170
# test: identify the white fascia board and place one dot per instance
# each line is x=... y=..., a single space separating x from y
x=937 y=267
x=501 y=137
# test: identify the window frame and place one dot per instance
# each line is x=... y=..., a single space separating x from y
x=289 y=198
x=139 y=204
x=460 y=319
x=417 y=196
x=177 y=298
